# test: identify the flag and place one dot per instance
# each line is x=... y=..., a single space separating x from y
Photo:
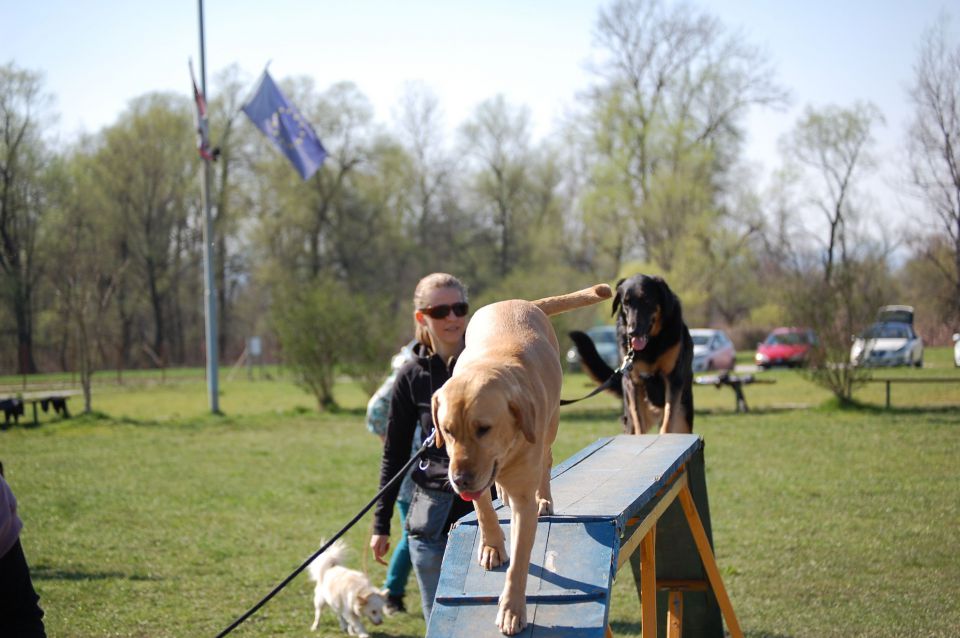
x=203 y=132
x=285 y=127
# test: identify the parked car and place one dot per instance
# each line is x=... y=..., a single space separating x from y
x=890 y=341
x=785 y=347
x=956 y=349
x=712 y=350
x=605 y=339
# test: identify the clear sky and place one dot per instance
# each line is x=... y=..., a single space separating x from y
x=98 y=54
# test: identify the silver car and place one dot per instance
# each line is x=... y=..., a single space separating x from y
x=891 y=341
x=605 y=339
x=712 y=350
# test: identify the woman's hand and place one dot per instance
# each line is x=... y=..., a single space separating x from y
x=380 y=544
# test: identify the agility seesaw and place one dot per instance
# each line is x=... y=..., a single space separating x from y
x=636 y=499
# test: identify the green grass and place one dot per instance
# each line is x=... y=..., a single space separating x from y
x=155 y=519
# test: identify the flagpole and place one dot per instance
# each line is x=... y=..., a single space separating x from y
x=209 y=288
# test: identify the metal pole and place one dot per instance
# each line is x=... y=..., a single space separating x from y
x=209 y=285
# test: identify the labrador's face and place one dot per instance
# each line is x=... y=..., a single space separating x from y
x=478 y=418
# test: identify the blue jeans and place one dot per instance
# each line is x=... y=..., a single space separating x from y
x=427 y=536
x=399 y=569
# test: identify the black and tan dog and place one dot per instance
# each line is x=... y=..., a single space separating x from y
x=658 y=389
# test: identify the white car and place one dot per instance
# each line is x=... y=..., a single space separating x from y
x=956 y=349
x=891 y=341
x=712 y=350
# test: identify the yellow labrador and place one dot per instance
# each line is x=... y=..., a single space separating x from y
x=498 y=416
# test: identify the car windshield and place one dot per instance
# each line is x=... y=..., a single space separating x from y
x=701 y=340
x=786 y=339
x=887 y=331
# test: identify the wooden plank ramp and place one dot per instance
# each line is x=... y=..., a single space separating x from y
x=597 y=495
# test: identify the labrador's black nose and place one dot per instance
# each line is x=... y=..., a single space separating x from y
x=462 y=480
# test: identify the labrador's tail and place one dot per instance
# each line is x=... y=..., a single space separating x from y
x=573 y=300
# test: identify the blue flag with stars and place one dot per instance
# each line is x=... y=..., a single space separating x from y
x=285 y=127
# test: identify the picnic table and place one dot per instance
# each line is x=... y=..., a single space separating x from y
x=13 y=406
x=736 y=383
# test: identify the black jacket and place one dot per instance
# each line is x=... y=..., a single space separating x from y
x=416 y=382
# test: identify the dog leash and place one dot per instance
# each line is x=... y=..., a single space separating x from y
x=617 y=374
x=286 y=581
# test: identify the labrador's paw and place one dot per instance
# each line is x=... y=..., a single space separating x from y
x=491 y=556
x=511 y=616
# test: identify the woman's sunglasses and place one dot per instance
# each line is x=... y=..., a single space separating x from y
x=441 y=312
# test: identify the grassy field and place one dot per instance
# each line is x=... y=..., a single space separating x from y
x=155 y=519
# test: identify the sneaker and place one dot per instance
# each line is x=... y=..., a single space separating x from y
x=394 y=605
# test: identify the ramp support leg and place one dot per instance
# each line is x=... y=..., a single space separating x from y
x=709 y=562
x=648 y=584
x=675 y=614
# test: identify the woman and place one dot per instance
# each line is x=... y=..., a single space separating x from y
x=20 y=613
x=378 y=408
x=440 y=318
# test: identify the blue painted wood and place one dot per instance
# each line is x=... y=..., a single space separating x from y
x=573 y=562
x=568 y=583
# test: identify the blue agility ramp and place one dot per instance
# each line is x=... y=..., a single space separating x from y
x=609 y=500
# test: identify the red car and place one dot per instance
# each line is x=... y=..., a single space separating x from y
x=785 y=347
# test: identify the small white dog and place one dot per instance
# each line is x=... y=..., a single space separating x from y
x=347 y=591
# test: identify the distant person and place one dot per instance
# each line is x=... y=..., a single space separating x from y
x=398 y=571
x=20 y=613
x=440 y=319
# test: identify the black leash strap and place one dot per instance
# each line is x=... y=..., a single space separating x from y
x=614 y=378
x=286 y=581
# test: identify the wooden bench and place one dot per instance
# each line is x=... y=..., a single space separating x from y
x=12 y=406
x=636 y=499
x=736 y=382
x=891 y=381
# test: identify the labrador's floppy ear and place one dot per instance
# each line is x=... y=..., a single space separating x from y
x=434 y=407
x=617 y=298
x=522 y=411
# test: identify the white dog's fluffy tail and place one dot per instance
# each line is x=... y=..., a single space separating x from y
x=334 y=555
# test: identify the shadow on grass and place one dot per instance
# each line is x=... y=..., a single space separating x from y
x=833 y=404
x=768 y=409
x=620 y=628
x=43 y=572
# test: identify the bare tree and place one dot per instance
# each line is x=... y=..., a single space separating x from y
x=228 y=206
x=665 y=123
x=498 y=137
x=145 y=170
x=84 y=290
x=934 y=145
x=831 y=147
x=834 y=143
x=22 y=107
x=421 y=130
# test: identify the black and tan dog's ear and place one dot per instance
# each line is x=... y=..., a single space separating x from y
x=617 y=298
x=521 y=408
x=668 y=300
x=434 y=408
